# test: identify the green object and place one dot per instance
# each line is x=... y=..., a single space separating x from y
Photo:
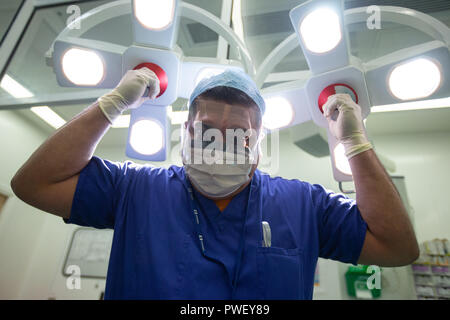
x=359 y=278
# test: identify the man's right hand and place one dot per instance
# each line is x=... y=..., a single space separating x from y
x=129 y=93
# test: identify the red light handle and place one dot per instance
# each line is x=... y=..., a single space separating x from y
x=331 y=90
x=160 y=73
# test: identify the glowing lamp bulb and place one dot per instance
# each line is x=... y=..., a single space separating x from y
x=321 y=30
x=147 y=137
x=279 y=113
x=82 y=67
x=341 y=161
x=160 y=73
x=415 y=79
x=154 y=14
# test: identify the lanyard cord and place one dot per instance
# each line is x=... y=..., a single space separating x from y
x=196 y=213
x=241 y=245
x=239 y=256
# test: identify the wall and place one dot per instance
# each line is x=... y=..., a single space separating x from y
x=20 y=224
x=45 y=279
x=33 y=244
x=423 y=158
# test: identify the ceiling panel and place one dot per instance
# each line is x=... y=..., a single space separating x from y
x=8 y=10
x=28 y=65
x=265 y=26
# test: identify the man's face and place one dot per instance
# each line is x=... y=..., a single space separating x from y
x=226 y=118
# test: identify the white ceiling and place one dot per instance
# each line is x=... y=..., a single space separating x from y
x=265 y=26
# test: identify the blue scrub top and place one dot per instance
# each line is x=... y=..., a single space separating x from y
x=156 y=252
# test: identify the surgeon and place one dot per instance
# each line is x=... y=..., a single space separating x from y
x=217 y=227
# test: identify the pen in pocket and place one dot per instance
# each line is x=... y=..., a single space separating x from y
x=267 y=236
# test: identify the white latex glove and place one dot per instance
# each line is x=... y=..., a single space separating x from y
x=345 y=123
x=129 y=93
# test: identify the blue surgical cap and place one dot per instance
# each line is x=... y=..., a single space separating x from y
x=231 y=78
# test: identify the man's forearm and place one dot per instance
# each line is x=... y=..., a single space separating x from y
x=67 y=151
x=380 y=204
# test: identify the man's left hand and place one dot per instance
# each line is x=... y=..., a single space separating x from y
x=345 y=123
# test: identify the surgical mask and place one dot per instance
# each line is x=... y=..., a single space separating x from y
x=212 y=175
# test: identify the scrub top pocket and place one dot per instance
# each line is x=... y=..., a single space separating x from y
x=280 y=272
x=169 y=279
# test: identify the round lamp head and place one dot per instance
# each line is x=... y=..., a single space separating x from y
x=160 y=73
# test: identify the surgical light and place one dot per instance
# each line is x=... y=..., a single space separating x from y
x=147 y=137
x=14 y=88
x=341 y=160
x=415 y=79
x=49 y=116
x=279 y=113
x=154 y=14
x=83 y=67
x=321 y=30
